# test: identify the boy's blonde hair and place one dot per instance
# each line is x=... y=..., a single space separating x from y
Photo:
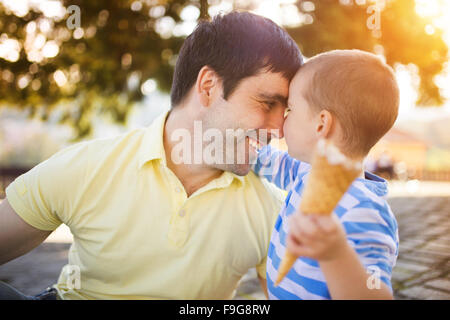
x=357 y=88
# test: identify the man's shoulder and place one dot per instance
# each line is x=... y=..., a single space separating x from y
x=267 y=191
x=98 y=151
x=115 y=140
x=102 y=147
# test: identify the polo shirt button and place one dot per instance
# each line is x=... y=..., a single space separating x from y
x=178 y=189
x=182 y=213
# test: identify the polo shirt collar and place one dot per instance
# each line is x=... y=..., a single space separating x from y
x=152 y=148
x=230 y=177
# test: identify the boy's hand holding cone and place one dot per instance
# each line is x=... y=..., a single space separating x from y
x=330 y=176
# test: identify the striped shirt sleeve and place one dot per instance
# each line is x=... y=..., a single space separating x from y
x=372 y=231
x=278 y=167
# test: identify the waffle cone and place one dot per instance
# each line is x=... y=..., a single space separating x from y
x=326 y=185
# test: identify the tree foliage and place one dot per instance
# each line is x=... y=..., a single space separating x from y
x=101 y=66
x=401 y=37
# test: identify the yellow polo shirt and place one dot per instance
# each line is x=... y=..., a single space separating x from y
x=136 y=233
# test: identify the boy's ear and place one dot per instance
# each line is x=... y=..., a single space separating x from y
x=206 y=85
x=325 y=124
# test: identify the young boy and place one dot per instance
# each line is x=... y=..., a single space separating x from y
x=351 y=98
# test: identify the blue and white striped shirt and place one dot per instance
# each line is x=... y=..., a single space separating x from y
x=368 y=221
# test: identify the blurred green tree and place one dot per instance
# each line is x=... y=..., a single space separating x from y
x=104 y=65
x=100 y=66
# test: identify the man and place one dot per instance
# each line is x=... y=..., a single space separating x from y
x=145 y=224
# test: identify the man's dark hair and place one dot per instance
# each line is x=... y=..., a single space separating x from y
x=236 y=45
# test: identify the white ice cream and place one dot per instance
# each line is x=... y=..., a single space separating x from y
x=335 y=157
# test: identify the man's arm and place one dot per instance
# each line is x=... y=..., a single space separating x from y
x=263 y=283
x=16 y=236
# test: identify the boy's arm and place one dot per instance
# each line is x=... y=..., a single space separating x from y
x=347 y=279
x=324 y=239
x=278 y=167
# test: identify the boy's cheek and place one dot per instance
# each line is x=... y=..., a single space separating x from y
x=291 y=137
x=297 y=148
x=286 y=128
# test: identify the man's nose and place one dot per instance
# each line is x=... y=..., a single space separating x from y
x=275 y=124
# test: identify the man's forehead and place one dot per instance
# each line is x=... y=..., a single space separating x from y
x=266 y=85
x=277 y=96
x=265 y=78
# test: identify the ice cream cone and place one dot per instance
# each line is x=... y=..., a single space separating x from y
x=331 y=175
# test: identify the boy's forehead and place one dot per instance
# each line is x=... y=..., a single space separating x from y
x=300 y=82
x=303 y=74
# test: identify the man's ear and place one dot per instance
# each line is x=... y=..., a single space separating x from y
x=325 y=124
x=206 y=85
